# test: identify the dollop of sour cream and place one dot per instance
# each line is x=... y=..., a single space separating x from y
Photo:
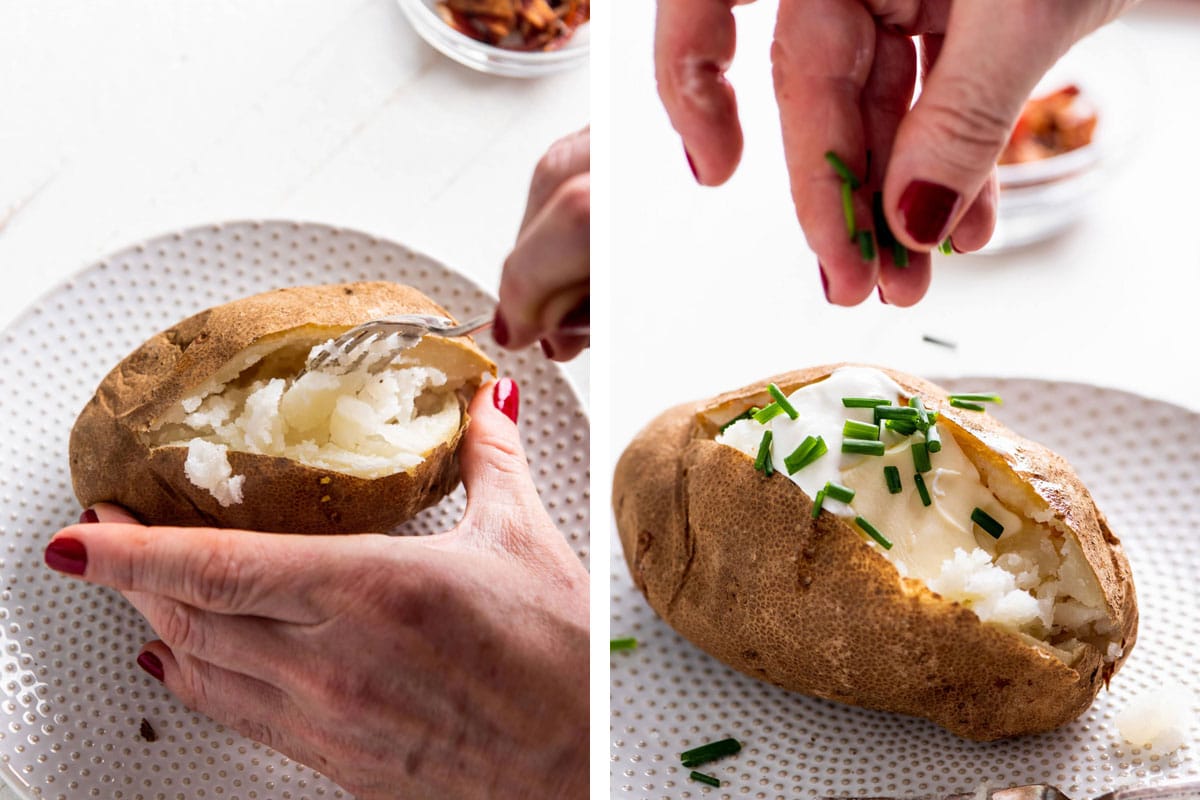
x=938 y=544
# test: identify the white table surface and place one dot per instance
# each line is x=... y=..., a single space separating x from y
x=724 y=291
x=123 y=119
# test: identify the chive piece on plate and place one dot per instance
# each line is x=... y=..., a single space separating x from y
x=946 y=247
x=848 y=209
x=919 y=480
x=809 y=451
x=864 y=402
x=843 y=494
x=702 y=778
x=782 y=400
x=892 y=476
x=896 y=412
x=853 y=429
x=920 y=454
x=622 y=643
x=866 y=245
x=842 y=170
x=818 y=501
x=870 y=530
x=990 y=397
x=904 y=427
x=985 y=521
x=767 y=413
x=763 y=460
x=709 y=752
x=967 y=405
x=866 y=447
x=933 y=439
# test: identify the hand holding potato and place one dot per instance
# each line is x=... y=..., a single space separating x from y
x=544 y=292
x=440 y=666
x=844 y=78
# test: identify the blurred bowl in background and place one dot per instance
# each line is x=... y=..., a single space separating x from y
x=1040 y=199
x=423 y=16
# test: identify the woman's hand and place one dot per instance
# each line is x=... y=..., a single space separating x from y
x=442 y=666
x=544 y=289
x=844 y=78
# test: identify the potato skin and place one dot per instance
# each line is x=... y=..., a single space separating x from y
x=733 y=561
x=111 y=463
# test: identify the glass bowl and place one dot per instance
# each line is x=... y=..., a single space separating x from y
x=1040 y=199
x=470 y=52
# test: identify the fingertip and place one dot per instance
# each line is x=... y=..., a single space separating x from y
x=849 y=281
x=905 y=287
x=152 y=659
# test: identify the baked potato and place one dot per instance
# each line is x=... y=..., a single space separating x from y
x=991 y=599
x=207 y=423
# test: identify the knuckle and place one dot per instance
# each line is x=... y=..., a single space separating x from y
x=217 y=579
x=181 y=630
x=553 y=168
x=574 y=202
x=965 y=113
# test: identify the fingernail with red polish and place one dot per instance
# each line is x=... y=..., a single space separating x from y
x=578 y=317
x=66 y=555
x=547 y=348
x=927 y=208
x=507 y=397
x=691 y=164
x=149 y=662
x=88 y=517
x=500 y=330
x=824 y=281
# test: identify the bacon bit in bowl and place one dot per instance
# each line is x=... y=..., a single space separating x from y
x=516 y=24
x=1049 y=126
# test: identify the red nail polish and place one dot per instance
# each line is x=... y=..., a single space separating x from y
x=149 y=662
x=882 y=299
x=691 y=164
x=547 y=348
x=88 y=517
x=507 y=397
x=500 y=330
x=927 y=208
x=824 y=281
x=578 y=317
x=66 y=555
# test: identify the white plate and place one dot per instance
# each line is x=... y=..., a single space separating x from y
x=73 y=698
x=1141 y=460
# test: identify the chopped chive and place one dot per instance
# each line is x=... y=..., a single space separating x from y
x=763 y=460
x=920 y=454
x=843 y=494
x=870 y=530
x=702 y=778
x=964 y=404
x=934 y=417
x=866 y=447
x=809 y=451
x=744 y=415
x=853 y=429
x=899 y=255
x=767 y=413
x=922 y=414
x=818 y=501
x=904 y=427
x=892 y=476
x=622 y=643
x=939 y=342
x=919 y=480
x=866 y=245
x=882 y=232
x=933 y=439
x=946 y=247
x=990 y=397
x=848 y=209
x=896 y=412
x=864 y=402
x=709 y=752
x=842 y=170
x=985 y=521
x=782 y=400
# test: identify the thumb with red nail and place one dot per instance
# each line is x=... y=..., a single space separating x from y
x=452 y=665
x=544 y=289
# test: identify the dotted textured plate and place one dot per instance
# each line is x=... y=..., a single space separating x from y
x=1141 y=460
x=73 y=699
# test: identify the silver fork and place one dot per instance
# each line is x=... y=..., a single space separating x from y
x=407 y=330
x=1177 y=791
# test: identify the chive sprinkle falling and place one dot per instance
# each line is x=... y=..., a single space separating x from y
x=892 y=476
x=990 y=397
x=853 y=429
x=866 y=245
x=866 y=447
x=767 y=413
x=843 y=494
x=622 y=643
x=812 y=448
x=967 y=405
x=848 y=209
x=920 y=455
x=702 y=778
x=871 y=531
x=818 y=501
x=842 y=170
x=985 y=521
x=864 y=402
x=763 y=460
x=919 y=480
x=939 y=342
x=709 y=752
x=782 y=400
